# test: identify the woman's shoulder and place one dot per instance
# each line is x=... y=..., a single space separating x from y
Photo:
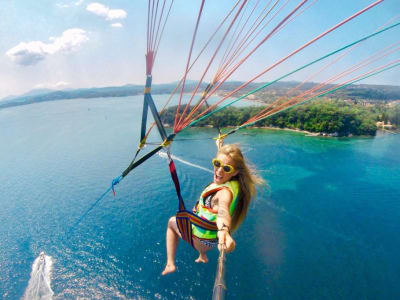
x=233 y=185
x=213 y=188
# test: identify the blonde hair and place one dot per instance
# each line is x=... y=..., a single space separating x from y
x=248 y=180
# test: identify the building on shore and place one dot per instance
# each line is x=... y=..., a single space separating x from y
x=382 y=124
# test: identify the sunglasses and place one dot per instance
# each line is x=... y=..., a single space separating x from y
x=219 y=164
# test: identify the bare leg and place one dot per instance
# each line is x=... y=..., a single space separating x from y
x=202 y=258
x=202 y=251
x=172 y=239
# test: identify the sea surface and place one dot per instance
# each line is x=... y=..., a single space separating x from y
x=326 y=227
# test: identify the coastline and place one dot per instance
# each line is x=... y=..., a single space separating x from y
x=305 y=132
x=328 y=135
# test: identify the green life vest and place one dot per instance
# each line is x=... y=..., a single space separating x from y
x=209 y=214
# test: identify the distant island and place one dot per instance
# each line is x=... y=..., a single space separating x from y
x=354 y=110
x=326 y=117
x=359 y=93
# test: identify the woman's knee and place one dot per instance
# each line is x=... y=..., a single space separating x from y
x=173 y=226
x=172 y=222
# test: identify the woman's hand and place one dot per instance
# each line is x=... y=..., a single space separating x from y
x=219 y=142
x=225 y=241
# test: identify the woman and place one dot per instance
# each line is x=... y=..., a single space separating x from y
x=225 y=201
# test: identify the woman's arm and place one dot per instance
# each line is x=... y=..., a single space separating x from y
x=224 y=220
x=219 y=142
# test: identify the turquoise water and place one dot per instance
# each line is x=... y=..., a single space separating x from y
x=326 y=228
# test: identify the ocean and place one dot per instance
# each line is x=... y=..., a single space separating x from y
x=325 y=227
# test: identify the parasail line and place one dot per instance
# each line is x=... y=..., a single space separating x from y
x=284 y=59
x=210 y=62
x=246 y=43
x=187 y=119
x=369 y=74
x=195 y=60
x=290 y=73
x=188 y=61
x=162 y=30
x=353 y=68
x=280 y=29
x=232 y=40
x=155 y=33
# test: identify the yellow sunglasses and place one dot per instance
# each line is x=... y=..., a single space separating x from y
x=228 y=169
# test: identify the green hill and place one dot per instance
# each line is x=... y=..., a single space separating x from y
x=362 y=92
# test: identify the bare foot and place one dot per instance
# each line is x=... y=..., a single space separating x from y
x=169 y=269
x=202 y=259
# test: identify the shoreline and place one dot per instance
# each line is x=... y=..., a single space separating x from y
x=305 y=132
x=328 y=135
x=309 y=133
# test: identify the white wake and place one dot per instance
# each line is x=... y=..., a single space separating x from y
x=164 y=155
x=39 y=284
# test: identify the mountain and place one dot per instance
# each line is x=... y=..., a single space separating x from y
x=114 y=91
x=364 y=92
x=52 y=95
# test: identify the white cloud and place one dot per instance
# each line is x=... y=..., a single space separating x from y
x=116 y=14
x=61 y=84
x=27 y=53
x=98 y=9
x=32 y=52
x=118 y=25
x=63 y=5
x=58 y=85
x=104 y=11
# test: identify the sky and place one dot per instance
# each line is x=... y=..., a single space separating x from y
x=63 y=44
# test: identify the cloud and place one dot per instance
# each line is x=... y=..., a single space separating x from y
x=104 y=11
x=61 y=84
x=118 y=25
x=58 y=85
x=63 y=5
x=32 y=52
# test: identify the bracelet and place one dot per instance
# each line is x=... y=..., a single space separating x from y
x=224 y=228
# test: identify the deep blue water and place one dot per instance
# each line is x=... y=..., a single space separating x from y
x=326 y=228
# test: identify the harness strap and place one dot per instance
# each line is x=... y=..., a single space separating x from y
x=148 y=102
x=185 y=219
x=174 y=176
x=185 y=227
x=149 y=99
x=141 y=160
x=144 y=119
x=198 y=221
